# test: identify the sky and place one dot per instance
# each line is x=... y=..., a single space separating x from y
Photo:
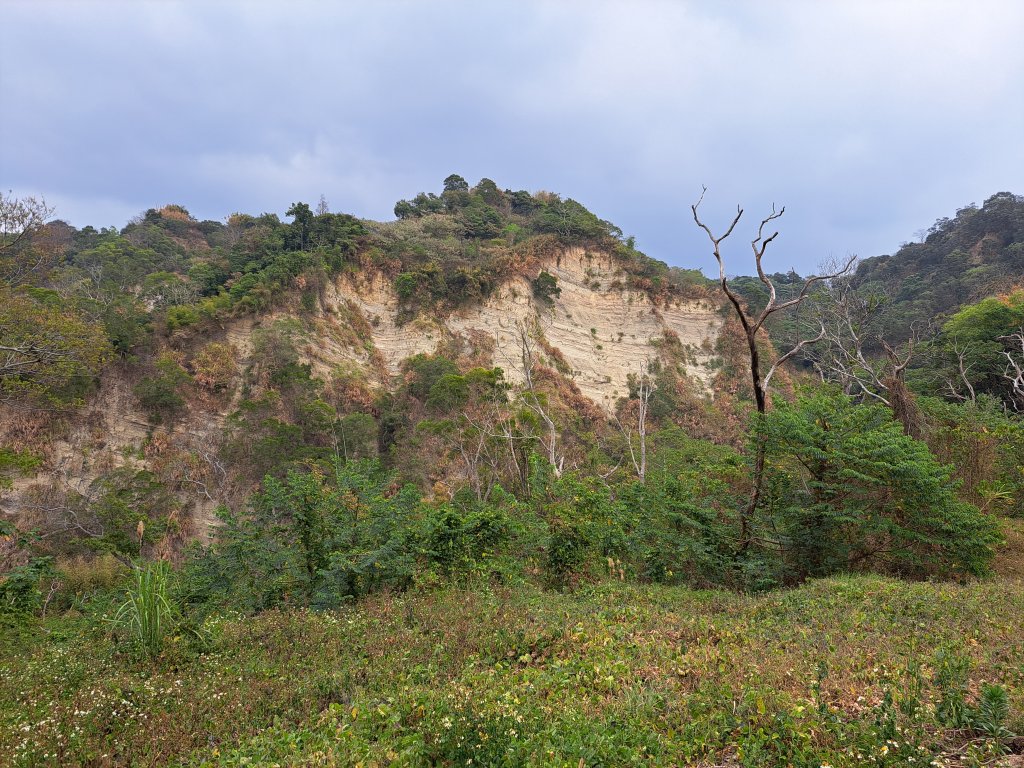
x=866 y=120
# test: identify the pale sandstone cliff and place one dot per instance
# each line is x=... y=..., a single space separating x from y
x=603 y=332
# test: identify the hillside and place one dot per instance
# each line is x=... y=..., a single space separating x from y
x=595 y=335
x=482 y=485
x=226 y=339
x=976 y=253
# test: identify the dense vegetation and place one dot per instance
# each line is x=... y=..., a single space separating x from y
x=450 y=554
x=977 y=253
x=845 y=672
x=456 y=247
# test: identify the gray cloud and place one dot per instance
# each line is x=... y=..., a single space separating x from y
x=868 y=120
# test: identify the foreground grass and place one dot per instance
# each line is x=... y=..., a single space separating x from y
x=840 y=672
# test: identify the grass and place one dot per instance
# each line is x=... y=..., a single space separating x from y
x=842 y=672
x=146 y=612
x=1009 y=561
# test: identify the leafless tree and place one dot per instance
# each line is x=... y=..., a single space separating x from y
x=638 y=456
x=535 y=401
x=1014 y=372
x=963 y=369
x=752 y=325
x=25 y=252
x=856 y=355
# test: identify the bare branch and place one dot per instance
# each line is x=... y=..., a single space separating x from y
x=751 y=326
x=794 y=351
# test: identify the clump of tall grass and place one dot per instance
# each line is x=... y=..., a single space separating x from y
x=81 y=574
x=147 y=612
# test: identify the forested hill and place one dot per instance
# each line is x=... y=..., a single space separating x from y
x=977 y=253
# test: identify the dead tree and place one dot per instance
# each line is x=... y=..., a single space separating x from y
x=1014 y=372
x=534 y=402
x=850 y=353
x=752 y=325
x=963 y=369
x=638 y=456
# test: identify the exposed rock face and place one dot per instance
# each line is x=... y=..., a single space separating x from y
x=604 y=332
x=595 y=332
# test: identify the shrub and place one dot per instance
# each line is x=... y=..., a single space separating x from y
x=848 y=489
x=16 y=463
x=545 y=287
x=21 y=591
x=214 y=366
x=314 y=538
x=461 y=539
x=160 y=393
x=83 y=574
x=181 y=316
x=566 y=551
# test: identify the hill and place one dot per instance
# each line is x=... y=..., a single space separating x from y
x=481 y=485
x=217 y=352
x=977 y=253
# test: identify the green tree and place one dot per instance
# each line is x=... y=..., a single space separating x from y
x=423 y=371
x=455 y=183
x=160 y=393
x=47 y=350
x=972 y=349
x=847 y=489
x=316 y=537
x=545 y=287
x=488 y=191
x=479 y=220
x=301 y=228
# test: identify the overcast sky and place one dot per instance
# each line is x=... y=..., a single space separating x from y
x=867 y=120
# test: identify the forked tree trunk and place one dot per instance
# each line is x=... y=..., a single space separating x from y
x=752 y=324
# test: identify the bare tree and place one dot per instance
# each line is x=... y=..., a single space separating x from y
x=1014 y=372
x=24 y=253
x=849 y=355
x=638 y=456
x=535 y=402
x=857 y=356
x=752 y=325
x=963 y=369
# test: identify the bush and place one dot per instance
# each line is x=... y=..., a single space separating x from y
x=160 y=393
x=314 y=538
x=847 y=489
x=463 y=539
x=985 y=448
x=567 y=550
x=214 y=366
x=181 y=316
x=82 y=574
x=21 y=590
x=545 y=287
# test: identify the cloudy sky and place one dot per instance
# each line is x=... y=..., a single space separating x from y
x=867 y=120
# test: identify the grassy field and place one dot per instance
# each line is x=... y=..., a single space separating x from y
x=841 y=672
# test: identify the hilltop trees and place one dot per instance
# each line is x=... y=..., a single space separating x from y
x=26 y=253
